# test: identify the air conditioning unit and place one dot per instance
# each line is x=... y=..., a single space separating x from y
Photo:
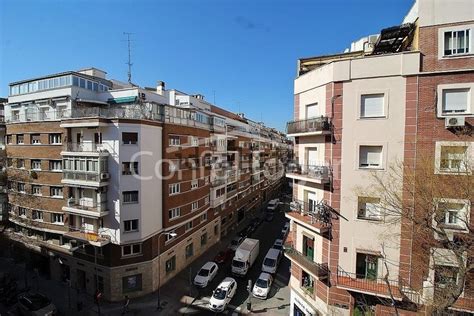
x=104 y=176
x=455 y=121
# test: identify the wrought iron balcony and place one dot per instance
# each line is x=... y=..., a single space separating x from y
x=317 y=212
x=319 y=173
x=319 y=270
x=312 y=125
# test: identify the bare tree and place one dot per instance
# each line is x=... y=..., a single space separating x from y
x=433 y=202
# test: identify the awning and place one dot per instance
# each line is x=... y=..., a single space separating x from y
x=120 y=100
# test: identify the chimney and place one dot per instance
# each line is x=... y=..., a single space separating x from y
x=160 y=87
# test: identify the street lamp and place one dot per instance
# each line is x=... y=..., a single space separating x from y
x=172 y=235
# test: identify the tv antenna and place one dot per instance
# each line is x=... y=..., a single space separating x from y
x=129 y=63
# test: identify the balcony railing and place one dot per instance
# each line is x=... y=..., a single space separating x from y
x=84 y=147
x=85 y=205
x=84 y=176
x=318 y=172
x=317 y=124
x=360 y=283
x=318 y=269
x=94 y=237
x=318 y=211
x=218 y=181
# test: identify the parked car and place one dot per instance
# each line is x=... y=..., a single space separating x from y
x=285 y=229
x=272 y=206
x=247 y=231
x=35 y=304
x=206 y=274
x=262 y=286
x=269 y=217
x=236 y=242
x=278 y=244
x=224 y=256
x=271 y=261
x=222 y=295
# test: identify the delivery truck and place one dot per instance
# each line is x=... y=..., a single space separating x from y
x=245 y=256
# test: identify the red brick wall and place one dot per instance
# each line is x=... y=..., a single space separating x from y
x=428 y=45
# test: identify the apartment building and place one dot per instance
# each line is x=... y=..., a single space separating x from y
x=117 y=188
x=395 y=97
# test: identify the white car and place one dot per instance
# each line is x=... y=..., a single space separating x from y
x=278 y=244
x=222 y=295
x=273 y=205
x=262 y=286
x=206 y=274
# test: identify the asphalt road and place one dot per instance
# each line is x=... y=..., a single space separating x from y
x=267 y=233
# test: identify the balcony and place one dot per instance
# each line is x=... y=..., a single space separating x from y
x=312 y=126
x=94 y=238
x=312 y=173
x=318 y=270
x=374 y=285
x=86 y=208
x=218 y=182
x=85 y=178
x=85 y=148
x=318 y=215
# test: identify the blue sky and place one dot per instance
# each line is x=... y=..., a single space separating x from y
x=244 y=51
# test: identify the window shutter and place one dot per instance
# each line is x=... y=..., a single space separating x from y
x=455 y=100
x=372 y=105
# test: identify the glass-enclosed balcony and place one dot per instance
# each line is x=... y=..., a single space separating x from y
x=86 y=171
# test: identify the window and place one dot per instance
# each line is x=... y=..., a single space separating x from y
x=453 y=214
x=204 y=217
x=55 y=139
x=22 y=211
x=203 y=239
x=21 y=187
x=206 y=200
x=194 y=206
x=55 y=165
x=35 y=139
x=454 y=158
x=216 y=229
x=174 y=212
x=132 y=283
x=130 y=225
x=307 y=282
x=194 y=141
x=312 y=110
x=455 y=100
x=130 y=196
x=174 y=188
x=20 y=163
x=189 y=250
x=129 y=138
x=194 y=184
x=370 y=157
x=37 y=215
x=170 y=264
x=175 y=141
x=169 y=235
x=446 y=276
x=20 y=139
x=456 y=42
x=36 y=189
x=57 y=218
x=131 y=250
x=188 y=226
x=129 y=168
x=9 y=139
x=36 y=164
x=369 y=208
x=56 y=192
x=372 y=105
x=366 y=266
x=173 y=166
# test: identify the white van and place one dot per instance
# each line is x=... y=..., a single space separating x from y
x=271 y=261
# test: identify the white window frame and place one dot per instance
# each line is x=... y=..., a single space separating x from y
x=174 y=188
x=174 y=140
x=378 y=216
x=194 y=184
x=132 y=253
x=465 y=213
x=438 y=151
x=441 y=36
x=368 y=93
x=456 y=86
x=174 y=213
x=55 y=139
x=188 y=226
x=130 y=193
x=33 y=161
x=53 y=164
x=33 y=187
x=194 y=206
x=203 y=217
x=59 y=216
x=53 y=189
x=382 y=156
x=131 y=221
x=37 y=218
x=169 y=236
x=37 y=141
